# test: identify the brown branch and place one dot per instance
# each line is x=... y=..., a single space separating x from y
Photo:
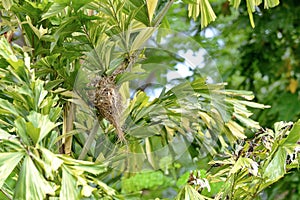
x=68 y=116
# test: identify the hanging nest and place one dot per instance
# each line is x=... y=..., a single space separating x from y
x=106 y=98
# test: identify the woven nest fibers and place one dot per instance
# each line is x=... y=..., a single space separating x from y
x=106 y=98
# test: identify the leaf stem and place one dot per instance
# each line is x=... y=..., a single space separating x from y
x=162 y=14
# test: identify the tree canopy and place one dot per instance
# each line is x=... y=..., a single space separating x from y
x=135 y=99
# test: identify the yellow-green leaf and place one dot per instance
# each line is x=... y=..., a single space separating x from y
x=141 y=38
x=207 y=13
x=271 y=3
x=251 y=9
x=4 y=134
x=8 y=162
x=204 y=8
x=235 y=3
x=31 y=183
x=293 y=137
x=7 y=4
x=236 y=129
x=151 y=5
x=276 y=168
x=42 y=125
x=69 y=189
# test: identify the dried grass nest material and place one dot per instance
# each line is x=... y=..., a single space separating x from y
x=106 y=98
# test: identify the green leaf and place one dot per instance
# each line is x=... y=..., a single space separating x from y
x=7 y=53
x=108 y=190
x=39 y=93
x=66 y=28
x=248 y=95
x=183 y=179
x=31 y=184
x=37 y=127
x=143 y=132
x=252 y=104
x=52 y=84
x=139 y=8
x=66 y=2
x=21 y=130
x=54 y=10
x=276 y=168
x=247 y=121
x=6 y=105
x=293 y=137
x=83 y=166
x=33 y=132
x=38 y=32
x=128 y=76
x=8 y=161
x=52 y=162
x=78 y=4
x=43 y=123
x=245 y=163
x=191 y=194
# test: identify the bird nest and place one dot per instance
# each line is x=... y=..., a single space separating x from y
x=107 y=100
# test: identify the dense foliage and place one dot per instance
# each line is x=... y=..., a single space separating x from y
x=91 y=108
